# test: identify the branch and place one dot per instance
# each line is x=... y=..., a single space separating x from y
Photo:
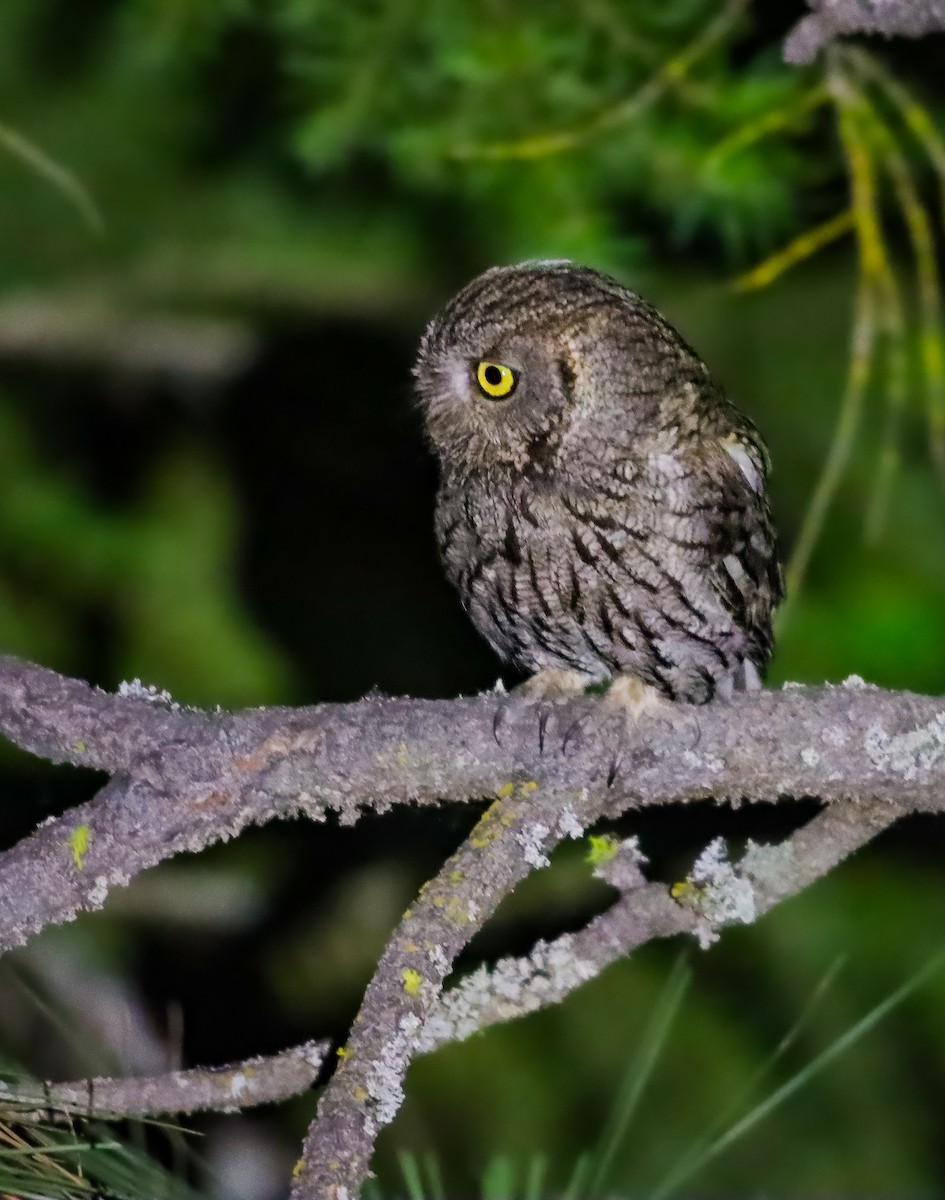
x=834 y=18
x=514 y=987
x=260 y=1080
x=187 y=778
x=509 y=841
x=403 y=1013
x=184 y=779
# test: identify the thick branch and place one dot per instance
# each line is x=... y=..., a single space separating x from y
x=189 y=778
x=509 y=841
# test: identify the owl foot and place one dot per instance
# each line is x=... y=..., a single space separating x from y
x=554 y=683
x=634 y=698
x=545 y=688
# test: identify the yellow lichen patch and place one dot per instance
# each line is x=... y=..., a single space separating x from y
x=523 y=788
x=499 y=816
x=413 y=981
x=684 y=891
x=603 y=847
x=485 y=831
x=456 y=876
x=79 y=747
x=457 y=911
x=361 y=1094
x=78 y=842
x=454 y=908
x=343 y=1052
x=298 y=1168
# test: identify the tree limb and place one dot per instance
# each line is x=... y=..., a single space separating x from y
x=834 y=18
x=264 y=1079
x=184 y=779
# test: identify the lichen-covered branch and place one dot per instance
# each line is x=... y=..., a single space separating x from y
x=186 y=779
x=511 y=839
x=831 y=19
x=183 y=779
x=514 y=987
x=264 y=1079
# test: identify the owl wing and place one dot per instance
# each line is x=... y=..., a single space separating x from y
x=742 y=555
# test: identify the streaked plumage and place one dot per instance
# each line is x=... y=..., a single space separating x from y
x=609 y=515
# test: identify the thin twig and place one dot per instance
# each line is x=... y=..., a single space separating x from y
x=264 y=1079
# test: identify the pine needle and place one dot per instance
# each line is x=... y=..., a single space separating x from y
x=61 y=178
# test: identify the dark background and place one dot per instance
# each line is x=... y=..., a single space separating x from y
x=213 y=478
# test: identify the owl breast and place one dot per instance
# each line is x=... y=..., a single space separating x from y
x=638 y=581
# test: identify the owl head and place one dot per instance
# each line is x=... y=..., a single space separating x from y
x=525 y=353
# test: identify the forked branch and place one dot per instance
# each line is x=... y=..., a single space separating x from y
x=183 y=779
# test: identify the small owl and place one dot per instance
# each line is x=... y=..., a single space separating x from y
x=602 y=506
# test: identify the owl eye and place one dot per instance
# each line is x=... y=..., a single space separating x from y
x=495 y=379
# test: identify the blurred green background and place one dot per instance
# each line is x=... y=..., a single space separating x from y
x=223 y=225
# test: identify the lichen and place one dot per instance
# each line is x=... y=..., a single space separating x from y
x=856 y=683
x=513 y=987
x=78 y=842
x=385 y=1081
x=147 y=691
x=413 y=981
x=908 y=755
x=532 y=840
x=603 y=847
x=99 y=891
x=707 y=762
x=568 y=823
x=717 y=893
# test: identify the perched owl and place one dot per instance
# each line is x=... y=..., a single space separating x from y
x=602 y=505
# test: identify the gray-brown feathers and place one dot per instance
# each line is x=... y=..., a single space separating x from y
x=608 y=513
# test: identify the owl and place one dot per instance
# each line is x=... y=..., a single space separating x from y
x=602 y=507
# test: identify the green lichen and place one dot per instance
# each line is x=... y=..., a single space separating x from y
x=413 y=981
x=78 y=842
x=603 y=847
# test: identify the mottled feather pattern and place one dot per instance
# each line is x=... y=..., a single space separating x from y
x=609 y=517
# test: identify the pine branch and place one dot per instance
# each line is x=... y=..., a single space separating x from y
x=184 y=779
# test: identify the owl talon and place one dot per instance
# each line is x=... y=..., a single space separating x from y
x=554 y=683
x=634 y=698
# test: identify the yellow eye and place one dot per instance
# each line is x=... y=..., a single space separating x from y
x=495 y=380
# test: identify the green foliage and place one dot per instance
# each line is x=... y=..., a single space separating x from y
x=534 y=128
x=162 y=571
x=73 y=1160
